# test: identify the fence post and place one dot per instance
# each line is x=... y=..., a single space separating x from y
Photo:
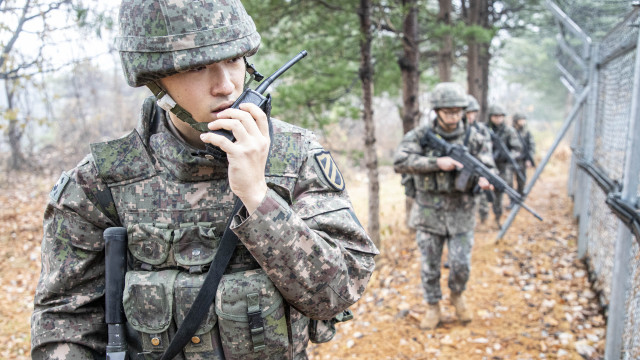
x=622 y=261
x=589 y=133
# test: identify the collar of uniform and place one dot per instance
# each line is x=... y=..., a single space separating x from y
x=178 y=159
x=449 y=135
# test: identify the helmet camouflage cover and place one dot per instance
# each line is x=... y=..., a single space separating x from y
x=496 y=110
x=473 y=104
x=449 y=95
x=159 y=38
x=518 y=116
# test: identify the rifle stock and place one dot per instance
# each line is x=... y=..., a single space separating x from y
x=460 y=154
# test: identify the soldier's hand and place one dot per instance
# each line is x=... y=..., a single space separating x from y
x=528 y=164
x=248 y=154
x=485 y=184
x=446 y=163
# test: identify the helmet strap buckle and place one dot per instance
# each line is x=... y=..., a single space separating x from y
x=166 y=102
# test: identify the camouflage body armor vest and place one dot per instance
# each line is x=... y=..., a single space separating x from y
x=444 y=202
x=175 y=207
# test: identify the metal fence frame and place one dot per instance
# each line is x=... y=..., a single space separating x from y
x=612 y=254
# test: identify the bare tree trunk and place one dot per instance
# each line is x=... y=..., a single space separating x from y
x=409 y=67
x=14 y=133
x=478 y=56
x=445 y=55
x=409 y=63
x=370 y=156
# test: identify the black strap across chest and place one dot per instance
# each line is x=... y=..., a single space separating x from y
x=207 y=293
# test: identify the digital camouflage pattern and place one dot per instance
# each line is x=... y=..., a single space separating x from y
x=510 y=139
x=440 y=208
x=495 y=109
x=528 y=146
x=304 y=239
x=481 y=199
x=459 y=259
x=159 y=38
x=473 y=104
x=448 y=95
x=441 y=213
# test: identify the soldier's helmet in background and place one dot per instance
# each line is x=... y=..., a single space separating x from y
x=473 y=104
x=518 y=116
x=448 y=95
x=496 y=110
x=162 y=38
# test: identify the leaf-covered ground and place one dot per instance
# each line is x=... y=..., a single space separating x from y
x=529 y=293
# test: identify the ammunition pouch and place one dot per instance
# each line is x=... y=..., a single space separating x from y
x=153 y=299
x=251 y=317
x=409 y=185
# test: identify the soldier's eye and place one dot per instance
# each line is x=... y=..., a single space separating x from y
x=199 y=68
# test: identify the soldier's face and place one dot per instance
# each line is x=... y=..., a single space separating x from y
x=450 y=117
x=471 y=116
x=206 y=91
x=521 y=123
x=497 y=119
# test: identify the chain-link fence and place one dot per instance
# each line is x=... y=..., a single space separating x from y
x=599 y=54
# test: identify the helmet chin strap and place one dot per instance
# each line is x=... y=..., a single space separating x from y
x=166 y=102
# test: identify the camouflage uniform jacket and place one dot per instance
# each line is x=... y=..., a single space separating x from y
x=526 y=139
x=509 y=138
x=439 y=207
x=304 y=242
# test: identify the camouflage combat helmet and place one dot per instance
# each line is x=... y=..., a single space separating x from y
x=448 y=95
x=159 y=38
x=518 y=116
x=473 y=104
x=496 y=110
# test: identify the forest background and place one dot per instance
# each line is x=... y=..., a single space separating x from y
x=365 y=82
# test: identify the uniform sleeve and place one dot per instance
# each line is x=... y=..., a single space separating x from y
x=68 y=317
x=408 y=158
x=315 y=250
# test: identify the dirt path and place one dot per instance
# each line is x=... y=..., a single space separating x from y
x=529 y=294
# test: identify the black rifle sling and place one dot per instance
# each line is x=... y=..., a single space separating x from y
x=207 y=293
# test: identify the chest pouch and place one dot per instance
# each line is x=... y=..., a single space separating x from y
x=190 y=245
x=148 y=304
x=445 y=181
x=251 y=317
x=152 y=300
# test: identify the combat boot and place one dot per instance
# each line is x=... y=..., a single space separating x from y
x=431 y=318
x=462 y=311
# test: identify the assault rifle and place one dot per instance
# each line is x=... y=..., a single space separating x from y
x=503 y=153
x=474 y=166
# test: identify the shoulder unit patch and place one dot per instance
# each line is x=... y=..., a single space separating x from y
x=330 y=170
x=56 y=192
